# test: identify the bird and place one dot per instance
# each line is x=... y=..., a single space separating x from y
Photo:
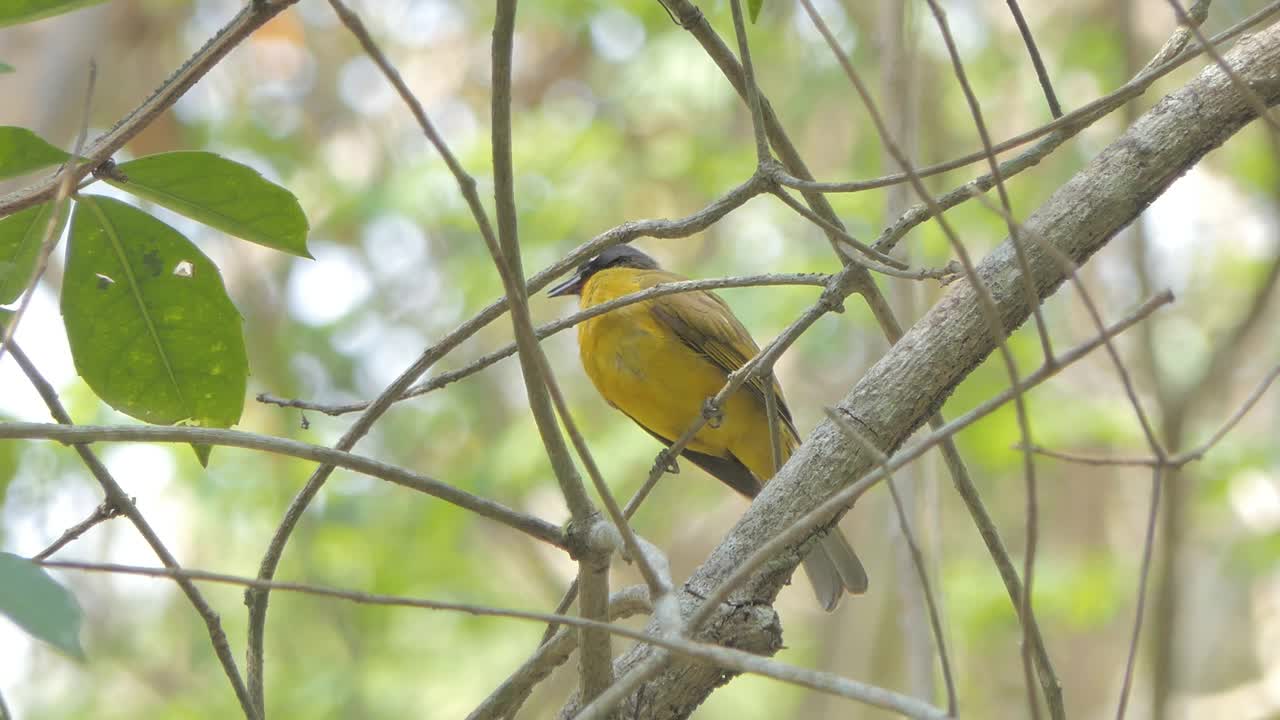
x=658 y=361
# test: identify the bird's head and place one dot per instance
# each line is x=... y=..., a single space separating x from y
x=616 y=256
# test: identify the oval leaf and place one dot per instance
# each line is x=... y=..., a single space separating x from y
x=22 y=151
x=13 y=12
x=21 y=235
x=151 y=328
x=222 y=194
x=39 y=605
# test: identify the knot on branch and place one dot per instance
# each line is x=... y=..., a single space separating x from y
x=770 y=172
x=687 y=18
x=107 y=170
x=832 y=299
x=583 y=540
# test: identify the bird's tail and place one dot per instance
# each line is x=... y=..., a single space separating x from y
x=833 y=568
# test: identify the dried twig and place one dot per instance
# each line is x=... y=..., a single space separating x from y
x=513 y=691
x=65 y=179
x=917 y=557
x=251 y=17
x=117 y=497
x=103 y=512
x=1174 y=55
x=1050 y=97
x=729 y=658
x=74 y=434
x=986 y=302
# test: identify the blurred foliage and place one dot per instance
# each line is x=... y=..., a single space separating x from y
x=619 y=115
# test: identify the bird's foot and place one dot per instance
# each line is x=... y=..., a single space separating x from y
x=665 y=463
x=712 y=413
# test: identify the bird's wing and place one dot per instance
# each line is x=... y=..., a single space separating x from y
x=706 y=325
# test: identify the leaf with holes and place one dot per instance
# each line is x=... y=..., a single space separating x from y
x=22 y=151
x=39 y=605
x=220 y=193
x=151 y=328
x=21 y=235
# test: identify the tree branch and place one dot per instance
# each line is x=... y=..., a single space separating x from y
x=121 y=501
x=914 y=378
x=75 y=434
x=251 y=17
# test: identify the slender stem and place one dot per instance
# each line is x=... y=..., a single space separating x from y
x=732 y=660
x=1148 y=547
x=103 y=512
x=917 y=557
x=1050 y=97
x=1174 y=56
x=118 y=498
x=75 y=434
x=251 y=17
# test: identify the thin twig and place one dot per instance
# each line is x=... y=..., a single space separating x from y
x=596 y=666
x=656 y=576
x=257 y=600
x=1032 y=156
x=65 y=188
x=682 y=227
x=512 y=693
x=1250 y=97
x=1050 y=97
x=917 y=557
x=879 y=261
x=986 y=302
x=1070 y=269
x=1162 y=65
x=1042 y=330
x=103 y=512
x=504 y=247
x=1182 y=458
x=74 y=434
x=749 y=80
x=822 y=514
x=251 y=17
x=121 y=500
x=729 y=658
x=980 y=124
x=1147 y=548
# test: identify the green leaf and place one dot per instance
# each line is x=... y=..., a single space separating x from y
x=222 y=194
x=753 y=9
x=151 y=328
x=22 y=151
x=21 y=235
x=13 y=12
x=5 y=67
x=39 y=605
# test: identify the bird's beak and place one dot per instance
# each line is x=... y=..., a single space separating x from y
x=572 y=286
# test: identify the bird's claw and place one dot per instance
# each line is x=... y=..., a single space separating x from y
x=667 y=464
x=712 y=413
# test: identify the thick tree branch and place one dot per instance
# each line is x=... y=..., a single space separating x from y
x=915 y=377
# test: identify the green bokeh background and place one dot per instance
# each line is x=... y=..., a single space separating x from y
x=619 y=115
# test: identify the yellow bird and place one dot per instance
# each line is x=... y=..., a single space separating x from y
x=659 y=360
